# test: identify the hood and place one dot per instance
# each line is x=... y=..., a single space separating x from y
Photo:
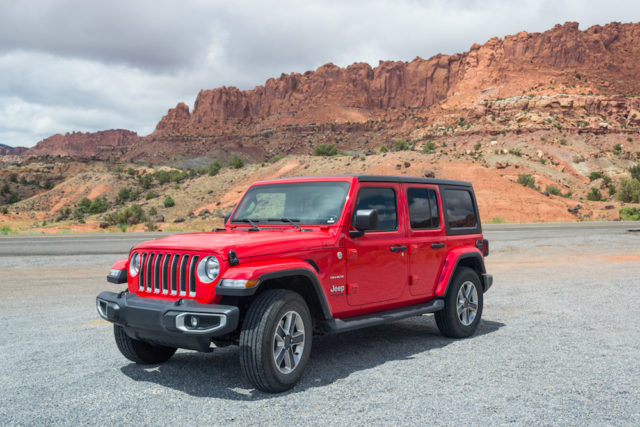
x=245 y=244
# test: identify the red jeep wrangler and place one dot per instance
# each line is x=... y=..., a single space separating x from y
x=299 y=257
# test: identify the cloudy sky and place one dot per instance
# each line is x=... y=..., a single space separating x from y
x=90 y=65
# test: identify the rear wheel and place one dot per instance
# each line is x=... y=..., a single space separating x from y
x=463 y=305
x=275 y=341
x=140 y=351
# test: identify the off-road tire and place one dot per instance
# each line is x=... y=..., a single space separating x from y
x=257 y=359
x=140 y=351
x=447 y=319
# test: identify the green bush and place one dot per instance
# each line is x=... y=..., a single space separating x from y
x=162 y=177
x=595 y=175
x=635 y=171
x=5 y=189
x=400 y=145
x=178 y=175
x=120 y=218
x=145 y=181
x=552 y=189
x=629 y=191
x=153 y=211
x=629 y=213
x=48 y=185
x=595 y=195
x=527 y=181
x=13 y=178
x=384 y=149
x=429 y=147
x=135 y=194
x=214 y=168
x=169 y=202
x=150 y=195
x=236 y=161
x=124 y=194
x=13 y=198
x=325 y=150
x=5 y=229
x=131 y=171
x=477 y=146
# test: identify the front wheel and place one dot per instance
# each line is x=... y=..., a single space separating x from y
x=275 y=341
x=140 y=351
x=463 y=305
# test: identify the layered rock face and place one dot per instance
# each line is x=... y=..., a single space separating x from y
x=100 y=145
x=606 y=57
x=6 y=150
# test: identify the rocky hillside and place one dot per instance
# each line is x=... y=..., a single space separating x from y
x=6 y=150
x=584 y=81
x=78 y=145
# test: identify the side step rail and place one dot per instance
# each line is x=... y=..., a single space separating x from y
x=336 y=326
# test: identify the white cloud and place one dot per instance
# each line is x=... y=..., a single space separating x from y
x=88 y=65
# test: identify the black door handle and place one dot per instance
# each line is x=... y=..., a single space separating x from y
x=398 y=248
x=437 y=245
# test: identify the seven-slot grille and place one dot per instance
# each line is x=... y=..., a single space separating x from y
x=168 y=273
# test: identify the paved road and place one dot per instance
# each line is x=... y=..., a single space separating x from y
x=559 y=344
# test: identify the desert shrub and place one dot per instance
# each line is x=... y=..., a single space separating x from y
x=595 y=195
x=325 y=150
x=400 y=145
x=13 y=178
x=153 y=211
x=13 y=198
x=131 y=171
x=595 y=175
x=124 y=194
x=135 y=194
x=5 y=229
x=527 y=180
x=23 y=181
x=120 y=218
x=552 y=189
x=178 y=175
x=629 y=213
x=98 y=205
x=606 y=181
x=150 y=195
x=214 y=168
x=635 y=171
x=162 y=177
x=48 y=185
x=145 y=181
x=515 y=152
x=5 y=189
x=617 y=148
x=629 y=191
x=4 y=210
x=384 y=149
x=477 y=146
x=236 y=161
x=429 y=147
x=169 y=202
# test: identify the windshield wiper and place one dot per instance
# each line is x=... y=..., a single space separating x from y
x=254 y=226
x=291 y=221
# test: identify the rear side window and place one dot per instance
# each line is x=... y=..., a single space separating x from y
x=460 y=210
x=423 y=208
x=383 y=199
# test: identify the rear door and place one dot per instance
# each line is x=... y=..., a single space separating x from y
x=377 y=269
x=426 y=237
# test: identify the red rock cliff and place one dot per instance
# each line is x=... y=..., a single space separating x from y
x=85 y=145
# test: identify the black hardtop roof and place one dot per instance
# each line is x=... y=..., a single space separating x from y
x=386 y=178
x=410 y=180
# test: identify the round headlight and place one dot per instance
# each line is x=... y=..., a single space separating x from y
x=208 y=269
x=134 y=264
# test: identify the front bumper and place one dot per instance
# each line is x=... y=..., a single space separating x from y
x=169 y=323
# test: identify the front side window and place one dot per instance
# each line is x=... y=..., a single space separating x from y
x=383 y=199
x=423 y=208
x=300 y=202
x=460 y=210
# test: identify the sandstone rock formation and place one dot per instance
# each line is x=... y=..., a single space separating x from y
x=100 y=145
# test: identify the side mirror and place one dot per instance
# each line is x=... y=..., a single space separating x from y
x=366 y=219
x=227 y=216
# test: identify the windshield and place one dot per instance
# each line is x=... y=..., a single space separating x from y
x=301 y=202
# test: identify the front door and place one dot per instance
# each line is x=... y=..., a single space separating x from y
x=426 y=235
x=377 y=267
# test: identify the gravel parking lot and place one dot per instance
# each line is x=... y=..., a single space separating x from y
x=559 y=344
